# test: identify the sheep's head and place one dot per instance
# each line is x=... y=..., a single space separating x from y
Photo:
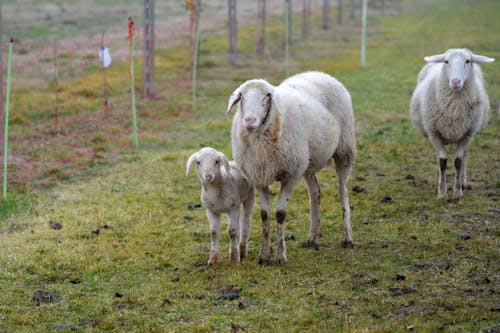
x=255 y=98
x=458 y=65
x=208 y=164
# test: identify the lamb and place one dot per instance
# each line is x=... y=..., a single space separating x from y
x=224 y=190
x=450 y=106
x=282 y=133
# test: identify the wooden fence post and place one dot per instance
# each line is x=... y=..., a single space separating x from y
x=233 y=33
x=326 y=14
x=306 y=19
x=1 y=65
x=149 y=49
x=261 y=29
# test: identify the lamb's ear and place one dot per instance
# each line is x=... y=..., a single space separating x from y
x=190 y=161
x=225 y=162
x=479 y=59
x=233 y=99
x=435 y=58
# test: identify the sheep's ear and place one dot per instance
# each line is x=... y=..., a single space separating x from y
x=233 y=99
x=435 y=58
x=479 y=59
x=224 y=161
x=190 y=161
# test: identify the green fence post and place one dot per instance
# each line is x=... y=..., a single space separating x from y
x=363 y=33
x=195 y=56
x=6 y=126
x=132 y=79
x=287 y=43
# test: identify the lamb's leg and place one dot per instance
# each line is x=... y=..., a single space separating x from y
x=313 y=190
x=343 y=170
x=286 y=190
x=265 y=214
x=245 y=221
x=442 y=159
x=214 y=220
x=233 y=231
x=460 y=167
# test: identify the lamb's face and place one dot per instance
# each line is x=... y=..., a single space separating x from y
x=457 y=66
x=208 y=162
x=208 y=166
x=254 y=108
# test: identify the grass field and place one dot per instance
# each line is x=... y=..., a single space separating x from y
x=125 y=247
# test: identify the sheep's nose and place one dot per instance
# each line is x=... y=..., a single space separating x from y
x=208 y=177
x=250 y=121
x=456 y=83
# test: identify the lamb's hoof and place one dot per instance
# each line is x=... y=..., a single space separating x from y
x=234 y=257
x=312 y=244
x=442 y=196
x=347 y=244
x=212 y=261
x=243 y=252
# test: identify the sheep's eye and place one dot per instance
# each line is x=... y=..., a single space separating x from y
x=216 y=162
x=198 y=162
x=468 y=61
x=446 y=62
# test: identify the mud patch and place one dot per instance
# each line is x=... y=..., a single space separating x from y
x=40 y=297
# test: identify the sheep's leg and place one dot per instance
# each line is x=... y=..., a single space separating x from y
x=314 y=192
x=214 y=220
x=343 y=170
x=265 y=214
x=233 y=231
x=460 y=167
x=286 y=190
x=464 y=172
x=442 y=159
x=245 y=220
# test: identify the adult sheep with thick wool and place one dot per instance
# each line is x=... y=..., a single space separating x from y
x=285 y=132
x=225 y=189
x=450 y=106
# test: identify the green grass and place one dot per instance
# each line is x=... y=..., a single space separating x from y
x=131 y=253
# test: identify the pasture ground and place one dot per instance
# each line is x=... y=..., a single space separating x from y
x=125 y=247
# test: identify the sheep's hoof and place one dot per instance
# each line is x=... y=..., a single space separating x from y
x=458 y=194
x=312 y=244
x=213 y=259
x=281 y=260
x=265 y=261
x=347 y=244
x=442 y=196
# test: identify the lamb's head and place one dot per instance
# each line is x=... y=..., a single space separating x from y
x=255 y=99
x=458 y=65
x=208 y=164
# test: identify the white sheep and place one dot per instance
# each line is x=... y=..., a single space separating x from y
x=450 y=106
x=282 y=133
x=224 y=190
